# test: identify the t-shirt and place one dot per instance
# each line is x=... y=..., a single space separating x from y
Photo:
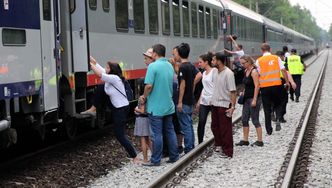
x=187 y=72
x=224 y=83
x=160 y=76
x=207 y=88
x=237 y=55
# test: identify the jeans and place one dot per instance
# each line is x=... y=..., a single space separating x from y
x=160 y=125
x=203 y=113
x=186 y=123
x=119 y=116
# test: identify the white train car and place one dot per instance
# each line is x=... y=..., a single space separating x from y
x=45 y=81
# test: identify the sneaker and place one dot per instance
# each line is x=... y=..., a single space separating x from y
x=88 y=113
x=297 y=99
x=278 y=127
x=180 y=149
x=217 y=149
x=171 y=161
x=242 y=143
x=151 y=164
x=282 y=120
x=291 y=97
x=258 y=143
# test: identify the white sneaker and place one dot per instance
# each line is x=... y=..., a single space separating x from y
x=88 y=113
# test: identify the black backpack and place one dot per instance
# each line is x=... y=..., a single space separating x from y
x=129 y=91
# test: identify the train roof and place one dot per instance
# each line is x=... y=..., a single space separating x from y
x=273 y=25
x=241 y=10
x=214 y=2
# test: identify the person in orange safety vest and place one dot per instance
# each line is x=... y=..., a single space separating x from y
x=269 y=67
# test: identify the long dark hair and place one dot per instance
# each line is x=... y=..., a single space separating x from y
x=207 y=57
x=115 y=69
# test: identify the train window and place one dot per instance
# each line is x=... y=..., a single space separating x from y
x=153 y=17
x=165 y=17
x=185 y=18
x=139 y=16
x=93 y=4
x=201 y=21
x=208 y=22
x=194 y=19
x=121 y=14
x=72 y=5
x=215 y=24
x=47 y=14
x=106 y=5
x=176 y=17
x=13 y=37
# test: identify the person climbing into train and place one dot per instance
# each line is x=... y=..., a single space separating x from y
x=223 y=105
x=203 y=105
x=237 y=54
x=252 y=102
x=114 y=95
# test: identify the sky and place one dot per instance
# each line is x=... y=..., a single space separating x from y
x=320 y=9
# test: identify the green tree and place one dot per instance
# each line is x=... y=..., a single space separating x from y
x=330 y=31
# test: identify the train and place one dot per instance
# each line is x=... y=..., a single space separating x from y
x=45 y=45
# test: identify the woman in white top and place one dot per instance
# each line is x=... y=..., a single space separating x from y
x=115 y=90
x=203 y=104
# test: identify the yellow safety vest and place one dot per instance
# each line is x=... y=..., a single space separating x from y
x=282 y=75
x=295 y=66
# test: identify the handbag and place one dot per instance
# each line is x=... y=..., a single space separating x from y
x=240 y=100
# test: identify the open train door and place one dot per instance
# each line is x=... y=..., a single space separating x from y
x=49 y=70
x=78 y=28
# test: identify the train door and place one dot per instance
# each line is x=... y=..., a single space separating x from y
x=50 y=93
x=227 y=27
x=78 y=29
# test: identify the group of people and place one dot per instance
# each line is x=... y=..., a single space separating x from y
x=164 y=110
x=268 y=81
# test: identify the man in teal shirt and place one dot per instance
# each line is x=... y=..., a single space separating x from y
x=158 y=93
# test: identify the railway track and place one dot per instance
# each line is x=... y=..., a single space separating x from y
x=293 y=171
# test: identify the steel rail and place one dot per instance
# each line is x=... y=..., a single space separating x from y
x=290 y=169
x=183 y=162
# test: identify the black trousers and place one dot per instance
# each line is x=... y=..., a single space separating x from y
x=119 y=117
x=271 y=97
x=297 y=79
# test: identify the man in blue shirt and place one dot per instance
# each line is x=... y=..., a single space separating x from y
x=160 y=107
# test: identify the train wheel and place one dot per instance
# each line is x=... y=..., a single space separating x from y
x=70 y=128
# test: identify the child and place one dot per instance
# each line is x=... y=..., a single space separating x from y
x=142 y=129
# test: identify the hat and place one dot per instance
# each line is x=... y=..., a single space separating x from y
x=148 y=52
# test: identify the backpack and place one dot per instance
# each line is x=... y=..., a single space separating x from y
x=129 y=92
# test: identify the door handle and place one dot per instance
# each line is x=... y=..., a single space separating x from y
x=81 y=33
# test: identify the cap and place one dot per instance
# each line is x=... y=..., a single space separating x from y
x=148 y=52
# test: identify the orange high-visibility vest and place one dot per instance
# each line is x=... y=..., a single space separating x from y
x=269 y=71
